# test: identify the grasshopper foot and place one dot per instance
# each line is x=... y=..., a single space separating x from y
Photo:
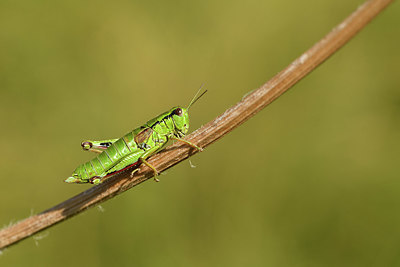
x=95 y=180
x=134 y=171
x=155 y=176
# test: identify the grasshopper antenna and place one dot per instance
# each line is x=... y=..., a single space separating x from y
x=196 y=97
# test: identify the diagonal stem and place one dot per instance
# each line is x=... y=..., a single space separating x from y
x=206 y=135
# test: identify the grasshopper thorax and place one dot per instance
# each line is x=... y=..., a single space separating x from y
x=180 y=117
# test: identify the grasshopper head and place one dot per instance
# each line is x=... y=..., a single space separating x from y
x=180 y=116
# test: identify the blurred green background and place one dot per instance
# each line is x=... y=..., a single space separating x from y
x=312 y=180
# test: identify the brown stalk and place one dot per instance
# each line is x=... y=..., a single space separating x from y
x=206 y=135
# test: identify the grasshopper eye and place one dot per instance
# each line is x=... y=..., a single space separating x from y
x=178 y=111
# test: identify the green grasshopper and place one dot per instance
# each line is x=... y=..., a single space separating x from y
x=117 y=155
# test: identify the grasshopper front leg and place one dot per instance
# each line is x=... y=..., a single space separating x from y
x=187 y=142
x=97 y=146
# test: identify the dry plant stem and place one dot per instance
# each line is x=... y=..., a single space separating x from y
x=209 y=133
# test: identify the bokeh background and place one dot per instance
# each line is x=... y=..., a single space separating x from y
x=312 y=180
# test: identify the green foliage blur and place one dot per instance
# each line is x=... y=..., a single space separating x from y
x=312 y=180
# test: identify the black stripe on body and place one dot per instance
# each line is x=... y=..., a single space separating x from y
x=166 y=125
x=157 y=122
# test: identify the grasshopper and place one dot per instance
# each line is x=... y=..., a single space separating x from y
x=117 y=155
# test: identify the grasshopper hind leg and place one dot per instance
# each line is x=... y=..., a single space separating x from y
x=126 y=162
x=97 y=146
